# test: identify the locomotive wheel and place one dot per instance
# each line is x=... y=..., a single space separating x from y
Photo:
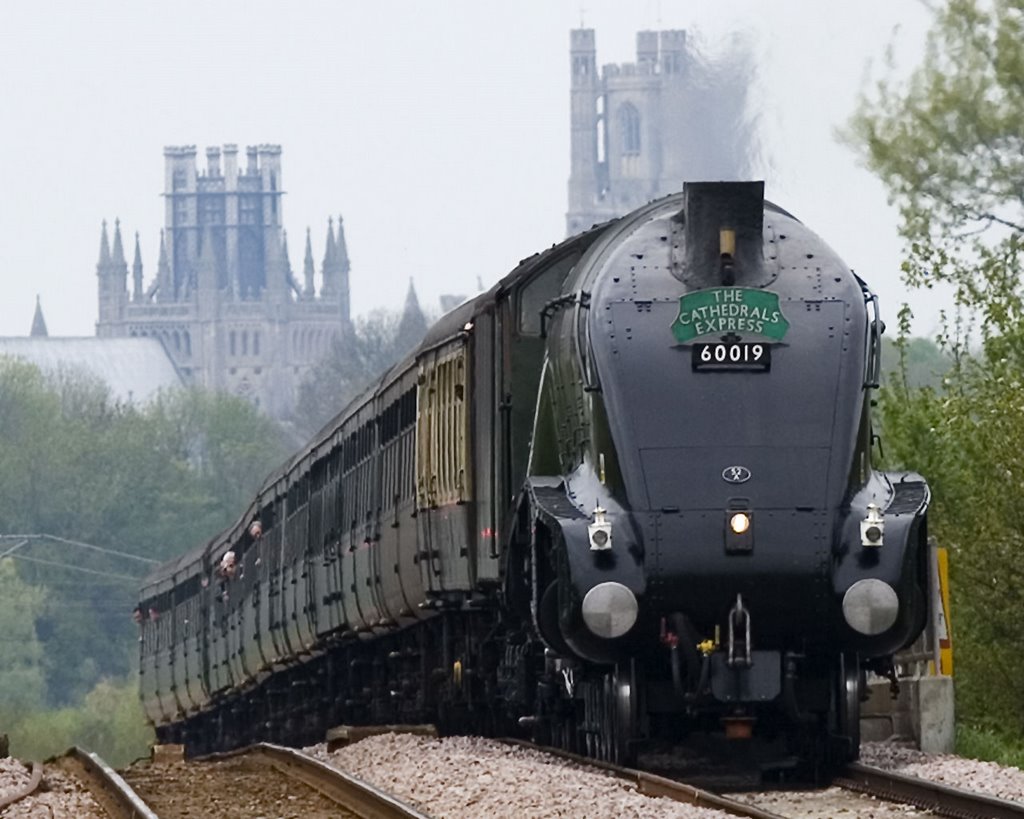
x=611 y=716
x=568 y=731
x=848 y=708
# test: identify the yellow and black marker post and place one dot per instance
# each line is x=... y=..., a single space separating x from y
x=941 y=630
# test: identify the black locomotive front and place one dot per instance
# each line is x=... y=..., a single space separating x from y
x=714 y=367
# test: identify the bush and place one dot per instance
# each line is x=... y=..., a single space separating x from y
x=989 y=745
x=110 y=723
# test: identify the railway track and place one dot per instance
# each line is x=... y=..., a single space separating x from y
x=860 y=791
x=940 y=799
x=262 y=780
x=78 y=784
x=26 y=790
x=105 y=785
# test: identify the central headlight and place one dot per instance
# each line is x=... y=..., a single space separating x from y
x=739 y=522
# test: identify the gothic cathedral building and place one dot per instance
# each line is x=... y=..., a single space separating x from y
x=225 y=302
x=638 y=130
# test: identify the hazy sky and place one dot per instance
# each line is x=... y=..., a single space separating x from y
x=439 y=130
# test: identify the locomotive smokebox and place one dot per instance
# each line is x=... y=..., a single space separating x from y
x=721 y=236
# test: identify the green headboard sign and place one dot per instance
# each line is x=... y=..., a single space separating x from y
x=721 y=310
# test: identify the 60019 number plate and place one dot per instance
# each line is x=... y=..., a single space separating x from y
x=732 y=355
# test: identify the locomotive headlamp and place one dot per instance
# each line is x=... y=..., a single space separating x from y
x=870 y=606
x=609 y=610
x=600 y=531
x=739 y=527
x=872 y=528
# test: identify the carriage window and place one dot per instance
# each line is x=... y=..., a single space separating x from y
x=442 y=463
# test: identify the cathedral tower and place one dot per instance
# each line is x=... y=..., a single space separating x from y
x=224 y=300
x=638 y=130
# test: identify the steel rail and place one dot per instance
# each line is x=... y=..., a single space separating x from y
x=29 y=788
x=107 y=786
x=653 y=785
x=354 y=794
x=927 y=795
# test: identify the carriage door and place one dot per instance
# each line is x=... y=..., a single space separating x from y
x=444 y=482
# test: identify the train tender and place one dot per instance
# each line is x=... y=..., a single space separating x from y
x=624 y=495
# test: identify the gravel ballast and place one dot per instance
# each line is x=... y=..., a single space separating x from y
x=474 y=777
x=471 y=777
x=1003 y=781
x=59 y=796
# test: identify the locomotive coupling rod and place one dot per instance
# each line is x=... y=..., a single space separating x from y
x=739 y=620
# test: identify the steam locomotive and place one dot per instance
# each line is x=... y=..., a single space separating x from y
x=624 y=496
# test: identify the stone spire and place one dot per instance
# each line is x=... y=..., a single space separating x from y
x=289 y=273
x=38 y=322
x=329 y=269
x=104 y=263
x=163 y=273
x=112 y=271
x=118 y=253
x=413 y=324
x=412 y=301
x=119 y=267
x=137 y=272
x=341 y=250
x=341 y=260
x=308 y=269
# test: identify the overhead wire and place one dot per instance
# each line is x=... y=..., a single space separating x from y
x=129 y=577
x=81 y=545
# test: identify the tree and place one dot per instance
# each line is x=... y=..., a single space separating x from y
x=110 y=722
x=29 y=453
x=355 y=359
x=947 y=143
x=920 y=360
x=949 y=146
x=22 y=682
x=224 y=445
x=151 y=482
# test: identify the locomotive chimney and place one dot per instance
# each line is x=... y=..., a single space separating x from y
x=722 y=225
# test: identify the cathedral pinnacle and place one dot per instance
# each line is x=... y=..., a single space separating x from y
x=329 y=269
x=342 y=265
x=118 y=253
x=308 y=269
x=163 y=269
x=412 y=326
x=341 y=250
x=287 y=262
x=137 y=271
x=104 y=262
x=284 y=250
x=329 y=252
x=412 y=301
x=38 y=322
